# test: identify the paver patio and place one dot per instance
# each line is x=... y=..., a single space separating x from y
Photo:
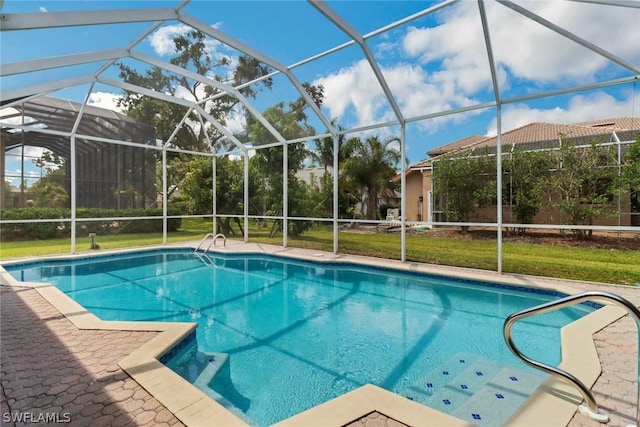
x=52 y=369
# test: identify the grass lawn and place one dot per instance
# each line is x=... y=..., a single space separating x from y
x=193 y=229
x=579 y=263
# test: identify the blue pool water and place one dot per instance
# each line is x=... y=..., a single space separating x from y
x=278 y=336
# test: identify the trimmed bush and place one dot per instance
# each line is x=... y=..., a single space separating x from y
x=53 y=229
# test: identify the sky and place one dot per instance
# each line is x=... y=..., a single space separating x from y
x=436 y=63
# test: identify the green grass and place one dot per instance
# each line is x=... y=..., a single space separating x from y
x=193 y=229
x=578 y=263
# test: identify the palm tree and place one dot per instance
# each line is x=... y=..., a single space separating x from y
x=372 y=165
x=323 y=156
x=324 y=149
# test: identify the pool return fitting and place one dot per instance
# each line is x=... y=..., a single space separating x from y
x=591 y=408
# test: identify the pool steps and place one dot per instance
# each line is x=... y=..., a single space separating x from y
x=475 y=389
x=218 y=365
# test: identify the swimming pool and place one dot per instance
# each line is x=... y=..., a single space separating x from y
x=277 y=336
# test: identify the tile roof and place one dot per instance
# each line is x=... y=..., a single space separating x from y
x=538 y=135
x=455 y=145
x=620 y=123
x=545 y=132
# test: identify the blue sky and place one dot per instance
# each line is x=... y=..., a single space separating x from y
x=435 y=63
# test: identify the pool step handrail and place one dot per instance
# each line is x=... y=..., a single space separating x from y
x=214 y=238
x=206 y=236
x=591 y=409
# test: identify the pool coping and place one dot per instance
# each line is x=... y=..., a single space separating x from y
x=554 y=398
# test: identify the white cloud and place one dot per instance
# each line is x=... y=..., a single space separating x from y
x=612 y=28
x=454 y=49
x=43 y=9
x=580 y=108
x=353 y=89
x=452 y=69
x=235 y=122
x=530 y=51
x=29 y=151
x=241 y=157
x=524 y=48
x=105 y=100
x=162 y=42
x=184 y=93
x=418 y=95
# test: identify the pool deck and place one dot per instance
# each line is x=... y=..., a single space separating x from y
x=61 y=363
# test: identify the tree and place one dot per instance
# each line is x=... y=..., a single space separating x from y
x=49 y=190
x=291 y=122
x=49 y=194
x=198 y=193
x=583 y=179
x=323 y=155
x=629 y=179
x=528 y=176
x=49 y=162
x=460 y=183
x=127 y=196
x=630 y=172
x=191 y=54
x=371 y=166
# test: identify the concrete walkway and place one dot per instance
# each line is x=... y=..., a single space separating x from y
x=52 y=371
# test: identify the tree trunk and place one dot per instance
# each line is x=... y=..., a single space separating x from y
x=277 y=225
x=372 y=203
x=225 y=226
x=239 y=225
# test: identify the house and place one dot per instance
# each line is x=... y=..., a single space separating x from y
x=312 y=175
x=534 y=136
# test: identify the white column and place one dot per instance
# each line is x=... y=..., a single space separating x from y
x=165 y=198
x=336 y=166
x=403 y=195
x=285 y=195
x=214 y=226
x=246 y=196
x=72 y=161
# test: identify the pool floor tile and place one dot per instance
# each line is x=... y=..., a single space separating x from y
x=495 y=411
x=476 y=389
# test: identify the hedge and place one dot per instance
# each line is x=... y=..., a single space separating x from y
x=54 y=229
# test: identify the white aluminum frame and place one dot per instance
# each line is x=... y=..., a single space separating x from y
x=108 y=57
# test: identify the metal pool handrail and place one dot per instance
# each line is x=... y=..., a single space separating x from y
x=213 y=241
x=206 y=236
x=591 y=410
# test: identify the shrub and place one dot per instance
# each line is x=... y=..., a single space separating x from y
x=53 y=229
x=34 y=230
